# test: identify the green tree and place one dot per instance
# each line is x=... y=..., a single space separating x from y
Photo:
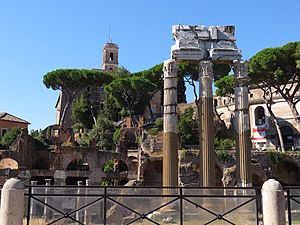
x=40 y=137
x=10 y=137
x=131 y=92
x=111 y=108
x=102 y=133
x=80 y=112
x=279 y=69
x=72 y=81
x=154 y=75
x=225 y=86
x=188 y=127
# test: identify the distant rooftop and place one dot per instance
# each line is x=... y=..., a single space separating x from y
x=8 y=117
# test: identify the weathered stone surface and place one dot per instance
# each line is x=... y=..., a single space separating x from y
x=200 y=42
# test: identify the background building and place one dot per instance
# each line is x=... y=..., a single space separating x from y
x=263 y=131
x=8 y=121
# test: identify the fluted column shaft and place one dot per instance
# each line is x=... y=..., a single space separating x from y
x=170 y=147
x=242 y=124
x=206 y=118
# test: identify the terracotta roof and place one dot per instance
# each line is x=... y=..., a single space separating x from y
x=8 y=117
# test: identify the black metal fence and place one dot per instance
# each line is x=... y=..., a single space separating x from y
x=141 y=205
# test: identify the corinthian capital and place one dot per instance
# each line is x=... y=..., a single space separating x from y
x=206 y=69
x=240 y=69
x=170 y=68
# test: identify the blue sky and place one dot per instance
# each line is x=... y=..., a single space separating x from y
x=38 y=36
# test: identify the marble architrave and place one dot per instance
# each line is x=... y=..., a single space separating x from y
x=194 y=43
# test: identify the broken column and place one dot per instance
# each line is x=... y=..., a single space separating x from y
x=207 y=150
x=170 y=146
x=242 y=121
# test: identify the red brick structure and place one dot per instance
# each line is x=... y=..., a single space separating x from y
x=8 y=121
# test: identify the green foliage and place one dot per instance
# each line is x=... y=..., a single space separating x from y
x=108 y=166
x=275 y=158
x=154 y=75
x=106 y=182
x=102 y=134
x=133 y=94
x=153 y=131
x=159 y=123
x=223 y=155
x=278 y=69
x=10 y=137
x=116 y=135
x=77 y=126
x=71 y=81
x=43 y=140
x=224 y=143
x=184 y=154
x=112 y=109
x=188 y=126
x=85 y=139
x=80 y=113
x=192 y=70
x=225 y=86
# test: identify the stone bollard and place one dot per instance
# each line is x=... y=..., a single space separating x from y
x=12 y=202
x=273 y=203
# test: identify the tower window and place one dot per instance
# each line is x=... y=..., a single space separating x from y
x=111 y=56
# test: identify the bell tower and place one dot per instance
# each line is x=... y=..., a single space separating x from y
x=110 y=56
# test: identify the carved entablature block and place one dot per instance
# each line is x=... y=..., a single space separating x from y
x=216 y=43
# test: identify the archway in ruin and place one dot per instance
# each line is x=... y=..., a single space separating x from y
x=115 y=172
x=9 y=163
x=41 y=164
x=153 y=174
x=287 y=172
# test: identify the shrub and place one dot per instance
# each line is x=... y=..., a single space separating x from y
x=275 y=158
x=223 y=155
x=10 y=137
x=224 y=143
x=108 y=166
x=153 y=131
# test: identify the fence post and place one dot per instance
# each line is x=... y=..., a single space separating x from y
x=12 y=202
x=273 y=203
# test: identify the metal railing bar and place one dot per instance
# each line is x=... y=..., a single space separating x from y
x=28 y=206
x=237 y=207
x=181 y=207
x=221 y=218
x=289 y=206
x=49 y=206
x=258 y=198
x=105 y=204
x=142 y=216
x=66 y=216
x=85 y=206
x=295 y=200
x=199 y=206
